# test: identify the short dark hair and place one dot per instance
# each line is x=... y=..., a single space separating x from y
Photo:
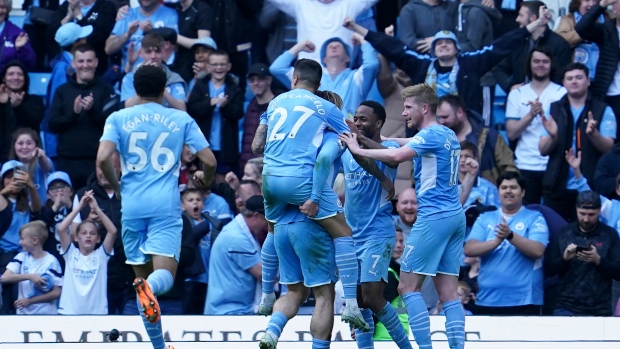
x=533 y=6
x=377 y=109
x=253 y=184
x=83 y=48
x=218 y=53
x=545 y=51
x=190 y=191
x=576 y=66
x=510 y=175
x=309 y=72
x=467 y=145
x=149 y=81
x=454 y=101
x=153 y=40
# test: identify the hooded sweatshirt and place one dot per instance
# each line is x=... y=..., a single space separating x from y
x=351 y=85
x=474 y=24
x=419 y=20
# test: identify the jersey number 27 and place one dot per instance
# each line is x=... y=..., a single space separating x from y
x=275 y=136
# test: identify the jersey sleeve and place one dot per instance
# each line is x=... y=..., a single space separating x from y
x=110 y=131
x=55 y=271
x=127 y=89
x=244 y=254
x=194 y=138
x=263 y=118
x=120 y=27
x=177 y=90
x=512 y=106
x=223 y=210
x=335 y=121
x=538 y=230
x=423 y=143
x=15 y=265
x=608 y=124
x=76 y=204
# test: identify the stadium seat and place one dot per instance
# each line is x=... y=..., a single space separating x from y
x=38 y=83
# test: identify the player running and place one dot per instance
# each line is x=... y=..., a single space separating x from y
x=150 y=140
x=435 y=244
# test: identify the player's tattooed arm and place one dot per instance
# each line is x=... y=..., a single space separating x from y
x=260 y=138
x=371 y=167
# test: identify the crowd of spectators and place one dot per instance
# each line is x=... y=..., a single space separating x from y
x=540 y=188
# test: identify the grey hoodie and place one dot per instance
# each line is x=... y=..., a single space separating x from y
x=419 y=20
x=474 y=24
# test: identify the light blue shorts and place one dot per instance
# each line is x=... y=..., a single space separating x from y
x=306 y=253
x=373 y=259
x=145 y=237
x=281 y=191
x=435 y=246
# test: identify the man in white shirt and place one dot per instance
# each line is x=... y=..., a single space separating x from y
x=525 y=107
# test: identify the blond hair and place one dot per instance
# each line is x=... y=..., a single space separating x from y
x=332 y=97
x=36 y=229
x=421 y=94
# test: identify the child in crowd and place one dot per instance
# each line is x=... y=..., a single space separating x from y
x=26 y=148
x=59 y=204
x=87 y=265
x=37 y=272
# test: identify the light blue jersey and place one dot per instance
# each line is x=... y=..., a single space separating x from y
x=232 y=288
x=297 y=121
x=483 y=192
x=436 y=172
x=610 y=209
x=508 y=277
x=150 y=139
x=217 y=207
x=162 y=17
x=367 y=211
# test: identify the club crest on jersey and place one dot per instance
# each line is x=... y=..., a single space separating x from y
x=520 y=226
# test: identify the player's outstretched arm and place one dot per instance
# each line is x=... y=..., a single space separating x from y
x=384 y=155
x=260 y=139
x=209 y=164
x=104 y=160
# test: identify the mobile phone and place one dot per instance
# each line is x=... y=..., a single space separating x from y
x=581 y=248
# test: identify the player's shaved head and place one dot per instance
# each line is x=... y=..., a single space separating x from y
x=307 y=74
x=149 y=82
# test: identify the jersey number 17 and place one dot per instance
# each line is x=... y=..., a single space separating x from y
x=454 y=166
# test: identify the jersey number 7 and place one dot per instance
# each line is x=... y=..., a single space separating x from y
x=275 y=136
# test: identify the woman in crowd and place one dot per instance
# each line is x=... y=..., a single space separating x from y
x=18 y=108
x=27 y=149
x=15 y=43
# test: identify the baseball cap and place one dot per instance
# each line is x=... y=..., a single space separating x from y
x=589 y=200
x=71 y=32
x=168 y=34
x=9 y=166
x=444 y=34
x=58 y=176
x=259 y=69
x=255 y=204
x=205 y=42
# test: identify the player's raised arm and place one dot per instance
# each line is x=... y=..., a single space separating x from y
x=104 y=160
x=209 y=164
x=384 y=155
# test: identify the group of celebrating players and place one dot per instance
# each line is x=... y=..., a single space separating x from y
x=306 y=142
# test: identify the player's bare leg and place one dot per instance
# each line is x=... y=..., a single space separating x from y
x=322 y=322
x=285 y=308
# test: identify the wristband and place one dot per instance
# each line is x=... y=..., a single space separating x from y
x=510 y=236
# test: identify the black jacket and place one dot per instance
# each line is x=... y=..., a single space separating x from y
x=472 y=65
x=200 y=108
x=556 y=176
x=102 y=17
x=51 y=218
x=511 y=70
x=607 y=172
x=120 y=274
x=584 y=288
x=186 y=259
x=605 y=36
x=78 y=134
x=233 y=22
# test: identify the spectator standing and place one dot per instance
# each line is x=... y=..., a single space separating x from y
x=280 y=28
x=216 y=103
x=586 y=256
x=201 y=49
x=129 y=29
x=57 y=206
x=474 y=24
x=79 y=110
x=195 y=22
x=152 y=53
x=607 y=85
x=584 y=51
x=607 y=171
x=18 y=108
x=578 y=122
x=512 y=71
x=235 y=263
x=85 y=278
x=260 y=83
x=37 y=273
x=15 y=42
x=100 y=15
x=510 y=243
x=28 y=150
x=474 y=189
x=420 y=20
x=526 y=106
x=495 y=155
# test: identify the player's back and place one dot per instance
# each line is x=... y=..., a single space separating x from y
x=150 y=142
x=296 y=122
x=436 y=172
